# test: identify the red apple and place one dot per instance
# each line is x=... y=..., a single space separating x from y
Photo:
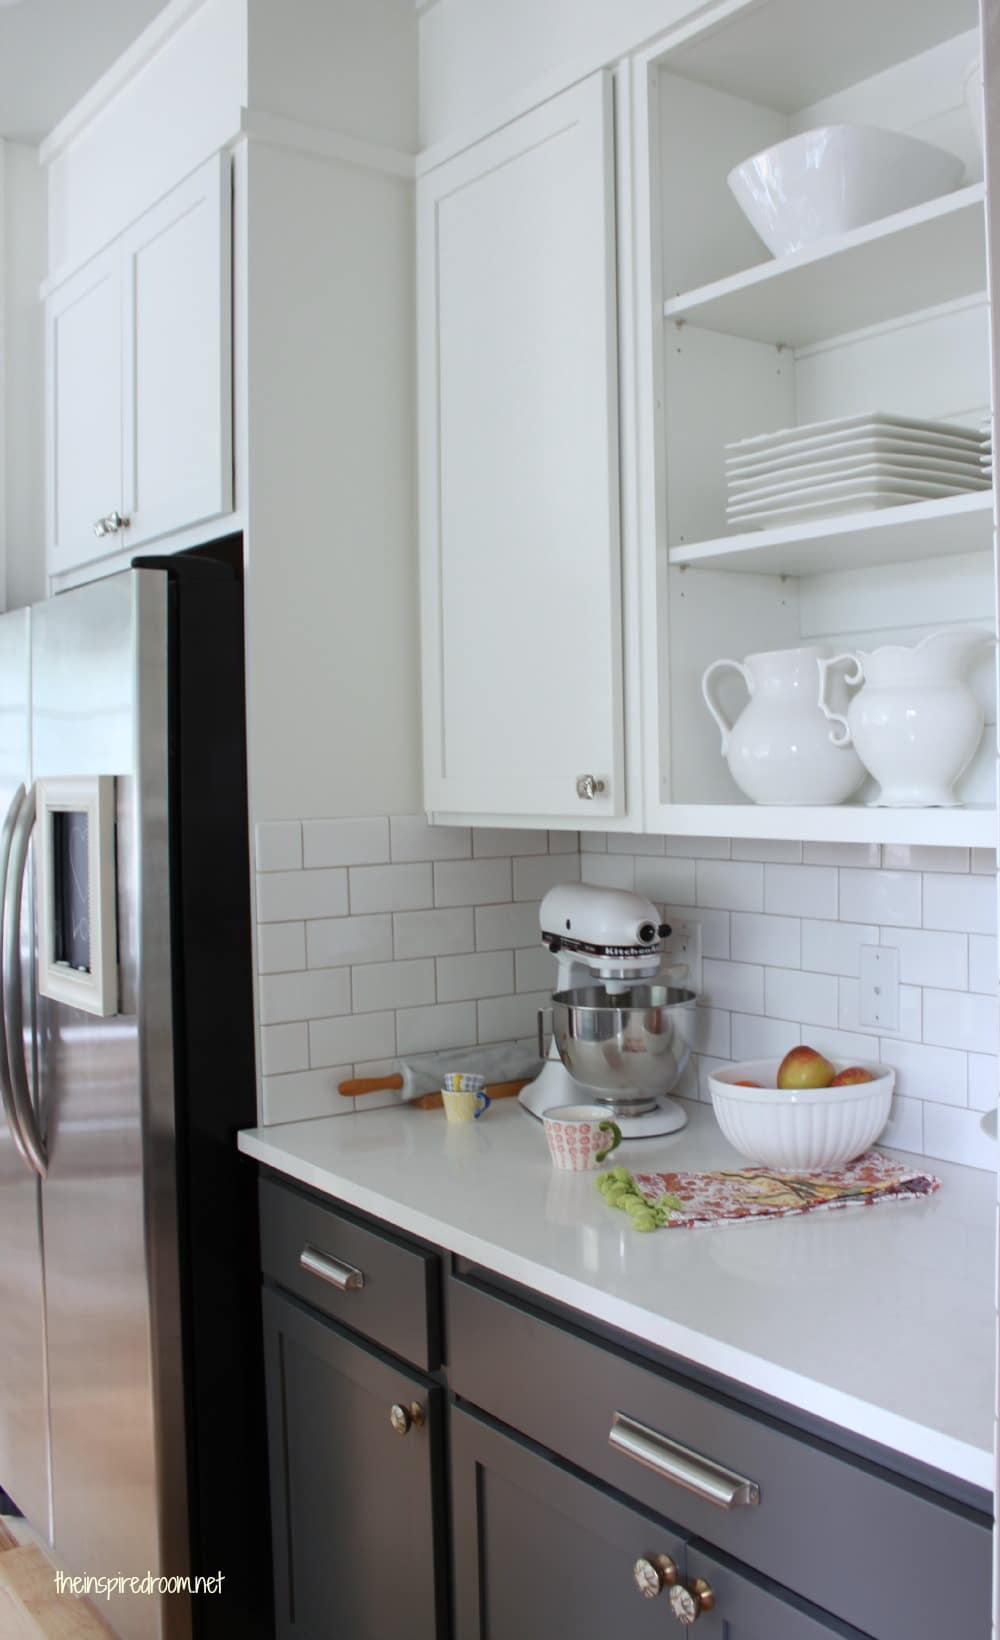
x=853 y=1073
x=746 y=1084
x=803 y=1067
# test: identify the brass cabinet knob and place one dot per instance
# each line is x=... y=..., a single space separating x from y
x=653 y=1574
x=687 y=1602
x=403 y=1419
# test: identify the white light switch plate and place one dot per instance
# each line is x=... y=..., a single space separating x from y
x=878 y=987
x=683 y=944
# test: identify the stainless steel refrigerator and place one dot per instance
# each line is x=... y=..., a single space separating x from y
x=131 y=1424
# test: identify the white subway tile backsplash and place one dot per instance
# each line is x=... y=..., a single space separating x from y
x=304 y=1094
x=381 y=937
x=800 y=891
x=790 y=993
x=537 y=873
x=757 y=1037
x=983 y=1081
x=956 y=1019
x=834 y=947
x=881 y=897
x=503 y=1018
x=505 y=927
x=666 y=880
x=447 y=1025
x=956 y=1136
x=278 y=845
x=759 y=938
x=391 y=888
x=842 y=854
x=286 y=896
x=630 y=842
x=393 y=985
x=311 y=995
x=434 y=933
x=412 y=838
x=345 y=842
x=334 y=942
x=966 y=904
x=930 y=958
x=775 y=851
x=281 y=947
x=534 y=969
x=983 y=963
x=730 y=885
x=472 y=882
x=923 y=1072
x=608 y=870
x=488 y=842
x=284 y=1048
x=347 y=1040
x=485 y=974
x=733 y=985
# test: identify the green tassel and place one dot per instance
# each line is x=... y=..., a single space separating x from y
x=620 y=1190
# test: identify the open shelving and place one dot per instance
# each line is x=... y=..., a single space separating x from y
x=919 y=258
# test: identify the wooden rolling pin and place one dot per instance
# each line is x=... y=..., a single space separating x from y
x=356 y=1085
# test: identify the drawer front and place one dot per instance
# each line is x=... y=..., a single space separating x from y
x=540 y=1553
x=889 y=1558
x=364 y=1278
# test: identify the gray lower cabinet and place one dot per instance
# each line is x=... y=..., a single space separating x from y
x=356 y=1460
x=540 y=1552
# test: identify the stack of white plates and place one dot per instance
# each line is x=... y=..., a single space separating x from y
x=849 y=465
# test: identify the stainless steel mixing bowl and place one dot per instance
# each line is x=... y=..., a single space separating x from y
x=627 y=1047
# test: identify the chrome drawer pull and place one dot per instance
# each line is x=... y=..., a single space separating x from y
x=679 y=1464
x=342 y=1276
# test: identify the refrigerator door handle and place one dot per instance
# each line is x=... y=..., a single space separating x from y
x=6 y=1090
x=13 y=1015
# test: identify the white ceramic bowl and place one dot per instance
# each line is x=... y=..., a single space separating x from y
x=810 y=1129
x=836 y=178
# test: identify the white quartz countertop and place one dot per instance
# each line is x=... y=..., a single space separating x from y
x=879 y=1319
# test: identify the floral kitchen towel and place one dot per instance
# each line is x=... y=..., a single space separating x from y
x=689 y=1201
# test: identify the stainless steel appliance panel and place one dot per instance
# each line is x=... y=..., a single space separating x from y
x=24 y=1438
x=95 y=1204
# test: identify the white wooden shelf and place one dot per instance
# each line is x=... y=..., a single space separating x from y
x=971 y=827
x=892 y=535
x=916 y=259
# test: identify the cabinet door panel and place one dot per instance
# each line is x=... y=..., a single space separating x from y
x=519 y=478
x=356 y=1507
x=84 y=410
x=540 y=1552
x=178 y=422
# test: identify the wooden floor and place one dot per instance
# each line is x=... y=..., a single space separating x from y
x=30 y=1608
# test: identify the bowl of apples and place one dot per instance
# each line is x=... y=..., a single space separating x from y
x=804 y=1113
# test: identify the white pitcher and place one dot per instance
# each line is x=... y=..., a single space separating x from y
x=779 y=749
x=916 y=723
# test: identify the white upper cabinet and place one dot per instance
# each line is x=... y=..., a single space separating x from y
x=520 y=554
x=84 y=408
x=139 y=395
x=177 y=358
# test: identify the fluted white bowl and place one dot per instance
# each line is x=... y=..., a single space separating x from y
x=836 y=178
x=804 y=1130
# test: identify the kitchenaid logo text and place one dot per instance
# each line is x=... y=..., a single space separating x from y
x=105 y=1587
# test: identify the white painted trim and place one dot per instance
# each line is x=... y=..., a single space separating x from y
x=3 y=374
x=124 y=68
x=280 y=132
x=198 y=535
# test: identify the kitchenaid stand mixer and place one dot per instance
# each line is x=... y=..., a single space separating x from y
x=622 y=1033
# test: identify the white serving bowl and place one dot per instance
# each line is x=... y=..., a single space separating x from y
x=802 y=1131
x=835 y=178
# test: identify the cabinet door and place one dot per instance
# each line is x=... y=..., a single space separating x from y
x=177 y=357
x=518 y=464
x=84 y=410
x=356 y=1506
x=540 y=1552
